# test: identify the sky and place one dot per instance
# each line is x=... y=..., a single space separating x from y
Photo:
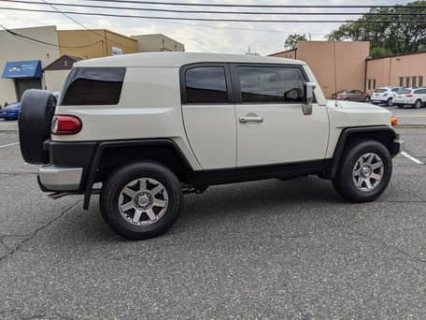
x=218 y=37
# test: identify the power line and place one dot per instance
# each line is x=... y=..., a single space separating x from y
x=22 y=36
x=297 y=6
x=75 y=21
x=209 y=19
x=53 y=5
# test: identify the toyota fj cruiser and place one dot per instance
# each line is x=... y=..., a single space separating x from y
x=149 y=127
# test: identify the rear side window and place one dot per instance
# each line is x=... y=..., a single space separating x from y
x=206 y=85
x=404 y=91
x=271 y=84
x=380 y=90
x=93 y=86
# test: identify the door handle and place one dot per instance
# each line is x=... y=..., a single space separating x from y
x=251 y=118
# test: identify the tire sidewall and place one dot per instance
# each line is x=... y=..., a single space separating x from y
x=119 y=179
x=346 y=173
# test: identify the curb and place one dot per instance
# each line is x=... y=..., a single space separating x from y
x=411 y=126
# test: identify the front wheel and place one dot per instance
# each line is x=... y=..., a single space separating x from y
x=389 y=103
x=418 y=104
x=364 y=172
x=141 y=200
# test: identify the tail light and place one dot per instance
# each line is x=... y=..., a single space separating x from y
x=339 y=97
x=62 y=125
x=409 y=95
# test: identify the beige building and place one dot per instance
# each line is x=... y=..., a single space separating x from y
x=407 y=70
x=337 y=65
x=157 y=42
x=41 y=57
x=22 y=60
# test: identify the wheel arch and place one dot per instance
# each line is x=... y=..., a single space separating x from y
x=110 y=155
x=351 y=136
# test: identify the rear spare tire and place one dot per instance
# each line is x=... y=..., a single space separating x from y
x=35 y=119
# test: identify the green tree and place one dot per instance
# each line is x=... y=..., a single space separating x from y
x=392 y=37
x=293 y=39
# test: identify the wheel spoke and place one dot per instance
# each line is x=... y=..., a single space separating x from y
x=151 y=214
x=127 y=206
x=157 y=189
x=377 y=165
x=359 y=182
x=376 y=177
x=142 y=184
x=370 y=158
x=368 y=184
x=357 y=173
x=159 y=203
x=137 y=215
x=129 y=192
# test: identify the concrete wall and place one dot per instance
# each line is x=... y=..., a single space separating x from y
x=337 y=65
x=55 y=79
x=388 y=71
x=157 y=42
x=89 y=44
x=13 y=48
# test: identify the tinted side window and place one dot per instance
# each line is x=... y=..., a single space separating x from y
x=395 y=90
x=206 y=85
x=271 y=84
x=93 y=86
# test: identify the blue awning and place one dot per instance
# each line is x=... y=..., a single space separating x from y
x=22 y=69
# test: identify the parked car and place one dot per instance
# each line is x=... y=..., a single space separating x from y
x=146 y=128
x=352 y=95
x=11 y=111
x=413 y=97
x=384 y=95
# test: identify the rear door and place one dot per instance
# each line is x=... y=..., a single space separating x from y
x=271 y=127
x=209 y=114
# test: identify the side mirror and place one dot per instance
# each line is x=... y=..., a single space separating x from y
x=309 y=88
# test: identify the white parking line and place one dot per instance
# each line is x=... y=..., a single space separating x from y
x=408 y=156
x=9 y=144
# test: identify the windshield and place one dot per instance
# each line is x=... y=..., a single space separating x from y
x=404 y=91
x=380 y=90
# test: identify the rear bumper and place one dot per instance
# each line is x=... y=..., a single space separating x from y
x=55 y=178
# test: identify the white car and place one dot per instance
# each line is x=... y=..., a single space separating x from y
x=149 y=127
x=384 y=95
x=414 y=97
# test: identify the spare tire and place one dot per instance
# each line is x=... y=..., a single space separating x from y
x=35 y=120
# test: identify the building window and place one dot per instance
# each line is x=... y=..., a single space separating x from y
x=407 y=81
x=369 y=84
x=414 y=81
x=271 y=84
x=206 y=85
x=374 y=83
x=420 y=81
x=401 y=81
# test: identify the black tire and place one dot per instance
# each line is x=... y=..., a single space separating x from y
x=367 y=99
x=343 y=181
x=35 y=120
x=400 y=106
x=418 y=104
x=114 y=184
x=389 y=103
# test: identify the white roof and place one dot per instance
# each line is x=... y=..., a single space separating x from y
x=177 y=59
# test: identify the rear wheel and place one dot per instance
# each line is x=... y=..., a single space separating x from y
x=389 y=103
x=364 y=172
x=418 y=104
x=141 y=200
x=367 y=99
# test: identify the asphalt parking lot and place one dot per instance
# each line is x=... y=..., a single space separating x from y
x=262 y=250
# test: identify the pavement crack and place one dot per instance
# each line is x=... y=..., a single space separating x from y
x=31 y=236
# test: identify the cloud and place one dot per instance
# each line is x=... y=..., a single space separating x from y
x=264 y=38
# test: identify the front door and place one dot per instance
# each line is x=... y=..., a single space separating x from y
x=271 y=127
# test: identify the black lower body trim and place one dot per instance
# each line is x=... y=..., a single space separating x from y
x=287 y=170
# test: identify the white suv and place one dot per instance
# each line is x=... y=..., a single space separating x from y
x=150 y=127
x=384 y=95
x=414 y=97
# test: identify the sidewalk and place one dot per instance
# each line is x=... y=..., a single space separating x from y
x=8 y=126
